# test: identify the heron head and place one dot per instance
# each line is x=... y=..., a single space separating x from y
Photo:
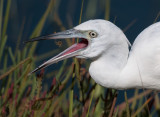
x=95 y=36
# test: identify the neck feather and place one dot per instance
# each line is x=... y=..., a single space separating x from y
x=107 y=68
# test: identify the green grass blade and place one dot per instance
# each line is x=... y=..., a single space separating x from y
x=24 y=82
x=2 y=45
x=6 y=18
x=80 y=18
x=140 y=109
x=157 y=101
x=135 y=100
x=19 y=38
x=5 y=61
x=127 y=105
x=6 y=89
x=116 y=113
x=14 y=68
x=12 y=56
x=77 y=66
x=71 y=92
x=46 y=55
x=61 y=69
x=107 y=11
x=1 y=16
x=40 y=25
x=158 y=15
x=90 y=103
x=71 y=102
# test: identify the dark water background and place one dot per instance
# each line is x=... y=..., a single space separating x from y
x=125 y=11
x=141 y=12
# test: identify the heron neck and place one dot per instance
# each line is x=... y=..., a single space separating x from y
x=107 y=68
x=114 y=69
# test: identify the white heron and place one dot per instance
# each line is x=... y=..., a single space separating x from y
x=113 y=66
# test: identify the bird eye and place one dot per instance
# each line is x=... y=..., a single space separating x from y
x=92 y=34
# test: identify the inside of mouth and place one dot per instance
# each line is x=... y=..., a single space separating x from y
x=83 y=43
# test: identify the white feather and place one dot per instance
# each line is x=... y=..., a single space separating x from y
x=111 y=67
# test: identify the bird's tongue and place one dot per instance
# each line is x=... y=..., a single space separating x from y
x=78 y=46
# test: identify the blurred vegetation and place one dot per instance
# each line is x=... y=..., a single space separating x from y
x=71 y=91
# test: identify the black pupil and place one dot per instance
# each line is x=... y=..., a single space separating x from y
x=93 y=34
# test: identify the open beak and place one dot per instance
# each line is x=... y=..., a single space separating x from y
x=69 y=52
